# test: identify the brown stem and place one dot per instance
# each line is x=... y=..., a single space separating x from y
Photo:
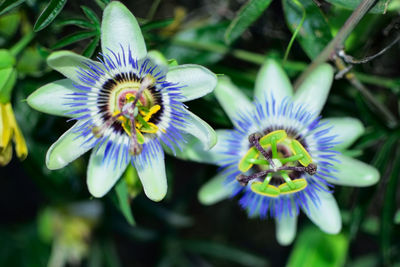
x=330 y=50
x=366 y=93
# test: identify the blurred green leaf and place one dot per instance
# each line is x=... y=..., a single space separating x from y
x=7 y=5
x=102 y=3
x=89 y=50
x=75 y=37
x=45 y=227
x=110 y=254
x=225 y=252
x=370 y=260
x=49 y=14
x=7 y=60
x=315 y=248
x=389 y=209
x=315 y=33
x=91 y=16
x=380 y=161
x=247 y=14
x=8 y=77
x=22 y=247
x=380 y=5
x=156 y=24
x=95 y=258
x=9 y=24
x=76 y=22
x=123 y=200
x=397 y=217
x=183 y=45
x=31 y=62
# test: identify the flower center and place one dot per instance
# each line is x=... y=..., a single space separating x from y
x=132 y=105
x=276 y=156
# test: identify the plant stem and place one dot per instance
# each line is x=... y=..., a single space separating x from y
x=339 y=39
x=366 y=94
x=18 y=47
x=153 y=10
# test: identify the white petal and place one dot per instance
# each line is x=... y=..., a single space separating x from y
x=196 y=80
x=286 y=229
x=314 y=91
x=232 y=99
x=214 y=190
x=120 y=28
x=151 y=169
x=157 y=57
x=346 y=130
x=272 y=79
x=51 y=98
x=68 y=63
x=199 y=129
x=193 y=150
x=352 y=172
x=102 y=174
x=326 y=215
x=66 y=149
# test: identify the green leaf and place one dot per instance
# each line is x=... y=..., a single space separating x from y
x=31 y=62
x=89 y=50
x=102 y=3
x=9 y=24
x=315 y=33
x=389 y=209
x=7 y=60
x=76 y=22
x=75 y=37
x=156 y=24
x=186 y=45
x=91 y=16
x=379 y=7
x=49 y=14
x=8 y=77
x=8 y=5
x=249 y=13
x=123 y=200
x=225 y=252
x=315 y=248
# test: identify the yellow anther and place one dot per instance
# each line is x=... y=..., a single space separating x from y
x=244 y=164
x=300 y=184
x=279 y=136
x=269 y=190
x=154 y=109
x=297 y=148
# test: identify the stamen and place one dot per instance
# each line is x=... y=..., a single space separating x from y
x=276 y=164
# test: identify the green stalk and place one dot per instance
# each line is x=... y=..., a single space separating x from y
x=18 y=47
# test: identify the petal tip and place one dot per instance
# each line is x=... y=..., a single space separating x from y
x=96 y=191
x=156 y=195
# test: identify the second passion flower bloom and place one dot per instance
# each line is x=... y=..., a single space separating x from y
x=126 y=106
x=282 y=157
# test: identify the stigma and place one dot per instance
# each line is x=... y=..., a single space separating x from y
x=272 y=160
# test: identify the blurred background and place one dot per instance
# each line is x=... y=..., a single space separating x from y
x=48 y=217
